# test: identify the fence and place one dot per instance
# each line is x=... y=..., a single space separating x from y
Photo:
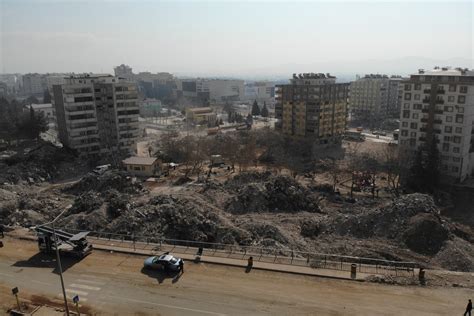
x=262 y=254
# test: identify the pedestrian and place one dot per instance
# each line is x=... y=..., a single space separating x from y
x=181 y=266
x=250 y=263
x=468 y=308
x=1 y=231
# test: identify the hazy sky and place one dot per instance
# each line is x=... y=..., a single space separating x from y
x=226 y=37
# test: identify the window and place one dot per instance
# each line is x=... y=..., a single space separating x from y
x=448 y=129
x=404 y=132
x=459 y=118
x=407 y=87
x=407 y=96
x=459 y=130
x=461 y=99
x=446 y=138
x=136 y=168
x=445 y=146
x=417 y=106
x=456 y=159
x=449 y=118
x=451 y=98
x=415 y=116
x=456 y=150
x=455 y=169
x=417 y=86
x=404 y=124
x=413 y=125
x=416 y=97
x=463 y=89
x=452 y=88
x=406 y=105
x=413 y=134
x=457 y=139
x=448 y=108
x=406 y=113
x=460 y=109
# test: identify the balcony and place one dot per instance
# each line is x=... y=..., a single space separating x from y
x=439 y=101
x=425 y=110
x=422 y=139
x=439 y=111
x=427 y=91
x=424 y=120
x=438 y=121
x=426 y=100
x=440 y=91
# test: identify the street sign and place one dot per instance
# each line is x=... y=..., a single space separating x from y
x=15 y=290
x=75 y=299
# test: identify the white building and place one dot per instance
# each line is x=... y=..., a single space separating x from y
x=34 y=84
x=97 y=114
x=374 y=97
x=213 y=90
x=263 y=91
x=439 y=104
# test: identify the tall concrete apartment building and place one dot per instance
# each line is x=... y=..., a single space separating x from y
x=97 y=114
x=374 y=97
x=439 y=104
x=312 y=105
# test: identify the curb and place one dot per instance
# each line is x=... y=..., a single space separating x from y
x=239 y=266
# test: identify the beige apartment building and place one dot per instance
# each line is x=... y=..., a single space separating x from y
x=97 y=114
x=439 y=104
x=312 y=105
x=374 y=97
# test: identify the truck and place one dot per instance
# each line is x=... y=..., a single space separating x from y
x=356 y=136
x=75 y=245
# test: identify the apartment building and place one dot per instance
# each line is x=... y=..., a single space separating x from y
x=439 y=104
x=262 y=91
x=97 y=114
x=374 y=97
x=213 y=90
x=312 y=105
x=33 y=84
x=204 y=115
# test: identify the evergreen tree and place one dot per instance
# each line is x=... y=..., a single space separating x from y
x=264 y=112
x=255 y=108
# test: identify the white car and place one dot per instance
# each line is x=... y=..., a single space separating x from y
x=165 y=262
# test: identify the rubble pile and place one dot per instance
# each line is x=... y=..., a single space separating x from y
x=43 y=162
x=263 y=192
x=111 y=179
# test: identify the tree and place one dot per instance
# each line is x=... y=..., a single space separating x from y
x=31 y=100
x=424 y=172
x=46 y=96
x=264 y=112
x=255 y=108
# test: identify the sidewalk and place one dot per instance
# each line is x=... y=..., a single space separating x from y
x=242 y=263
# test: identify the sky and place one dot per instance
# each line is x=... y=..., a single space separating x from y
x=233 y=38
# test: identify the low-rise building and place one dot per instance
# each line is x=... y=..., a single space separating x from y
x=204 y=115
x=47 y=110
x=142 y=166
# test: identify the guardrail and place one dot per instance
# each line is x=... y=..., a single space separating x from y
x=262 y=254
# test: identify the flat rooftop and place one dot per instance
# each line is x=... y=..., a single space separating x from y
x=145 y=161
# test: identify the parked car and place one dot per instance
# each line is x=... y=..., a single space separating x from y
x=101 y=169
x=380 y=133
x=165 y=262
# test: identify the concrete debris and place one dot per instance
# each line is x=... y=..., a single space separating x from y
x=111 y=179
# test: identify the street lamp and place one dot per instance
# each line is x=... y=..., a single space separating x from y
x=58 y=258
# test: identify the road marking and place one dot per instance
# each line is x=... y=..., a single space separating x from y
x=76 y=292
x=164 y=305
x=41 y=282
x=90 y=281
x=85 y=287
x=88 y=276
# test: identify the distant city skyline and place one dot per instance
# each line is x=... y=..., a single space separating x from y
x=235 y=39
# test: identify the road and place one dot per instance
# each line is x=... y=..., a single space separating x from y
x=114 y=284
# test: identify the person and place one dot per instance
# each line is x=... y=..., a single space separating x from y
x=181 y=266
x=250 y=263
x=1 y=231
x=468 y=308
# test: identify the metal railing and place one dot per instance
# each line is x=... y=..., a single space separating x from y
x=263 y=254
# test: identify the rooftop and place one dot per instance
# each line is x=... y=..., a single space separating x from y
x=41 y=106
x=445 y=71
x=146 y=161
x=199 y=110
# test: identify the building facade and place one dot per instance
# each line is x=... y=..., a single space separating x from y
x=374 y=97
x=312 y=105
x=33 y=84
x=97 y=114
x=204 y=115
x=213 y=90
x=438 y=106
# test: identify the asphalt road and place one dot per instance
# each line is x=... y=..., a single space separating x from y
x=115 y=284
